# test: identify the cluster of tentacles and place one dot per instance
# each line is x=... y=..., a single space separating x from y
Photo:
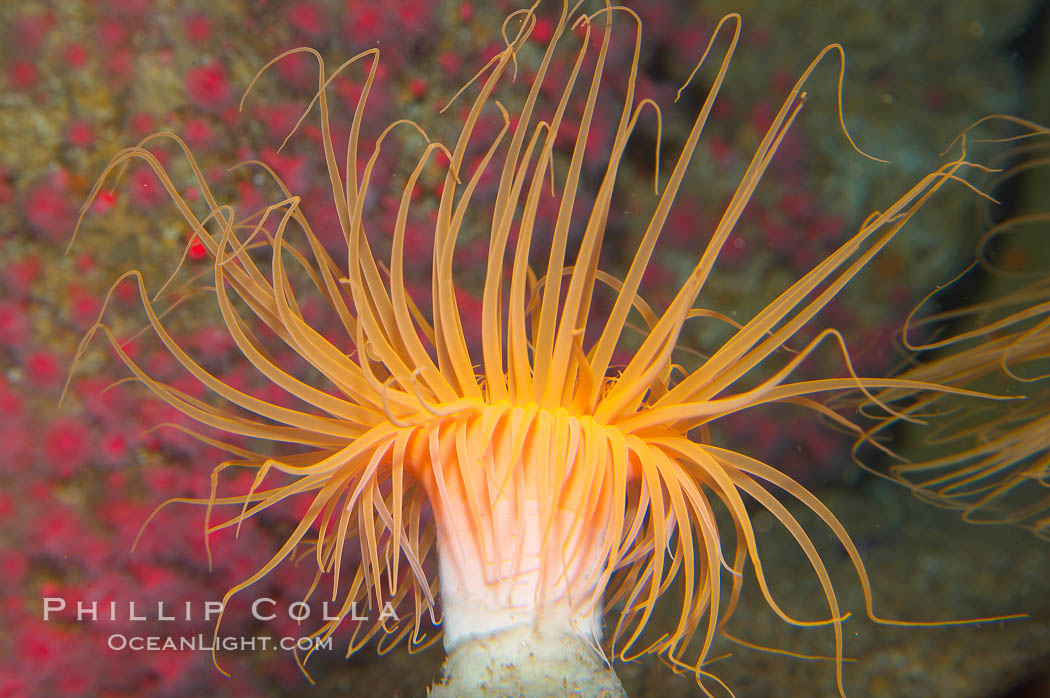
x=990 y=460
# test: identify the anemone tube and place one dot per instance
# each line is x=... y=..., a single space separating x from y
x=552 y=486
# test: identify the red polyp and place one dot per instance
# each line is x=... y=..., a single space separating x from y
x=112 y=33
x=49 y=211
x=197 y=28
x=104 y=201
x=141 y=123
x=208 y=86
x=29 y=31
x=114 y=447
x=67 y=445
x=22 y=74
x=80 y=133
x=308 y=18
x=43 y=369
x=75 y=55
x=14 y=325
x=197 y=250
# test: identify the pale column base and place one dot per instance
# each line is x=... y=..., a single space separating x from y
x=526 y=662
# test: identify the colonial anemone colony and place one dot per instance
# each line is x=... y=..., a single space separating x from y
x=552 y=484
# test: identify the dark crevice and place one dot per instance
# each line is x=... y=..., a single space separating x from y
x=1034 y=684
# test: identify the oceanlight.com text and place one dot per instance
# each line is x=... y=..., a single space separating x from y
x=207 y=643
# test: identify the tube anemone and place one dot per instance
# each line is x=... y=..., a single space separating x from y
x=550 y=484
x=989 y=461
